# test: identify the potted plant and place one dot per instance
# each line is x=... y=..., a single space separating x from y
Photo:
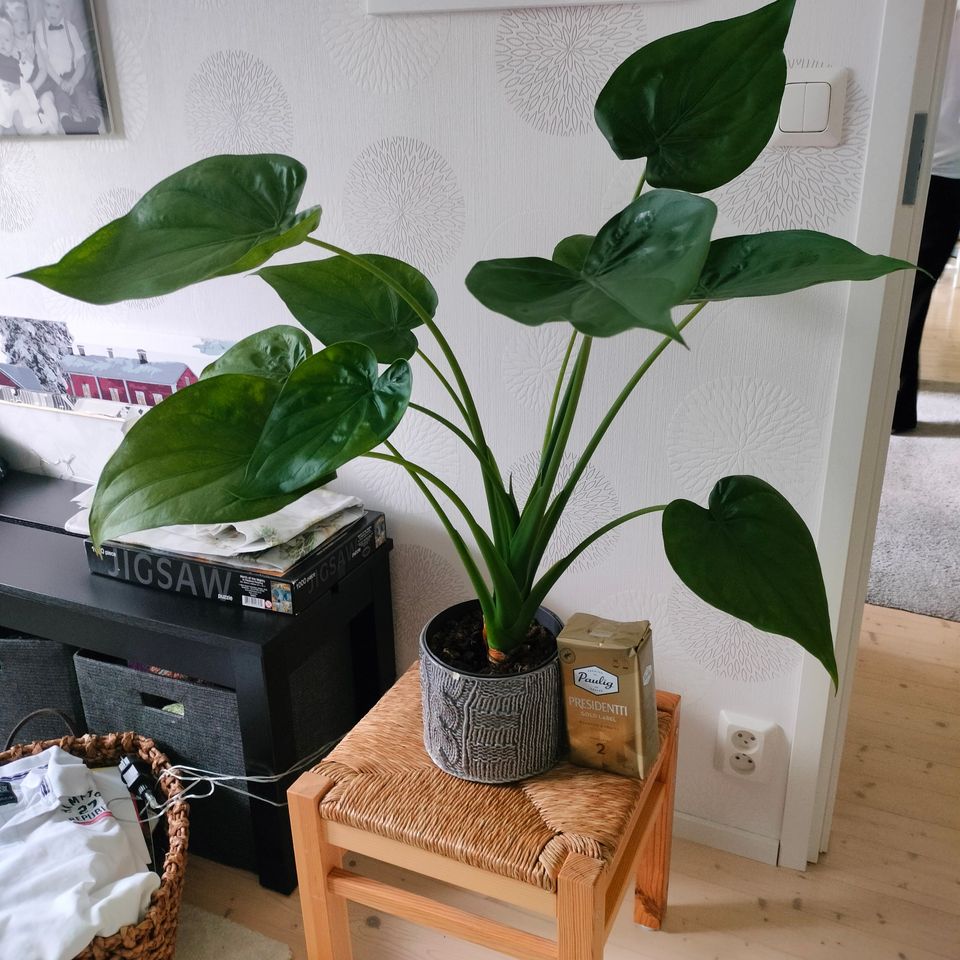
x=271 y=419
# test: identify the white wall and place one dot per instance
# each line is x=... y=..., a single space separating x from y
x=446 y=139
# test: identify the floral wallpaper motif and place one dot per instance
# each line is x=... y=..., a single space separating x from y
x=422 y=441
x=236 y=104
x=19 y=186
x=130 y=94
x=803 y=187
x=728 y=648
x=743 y=425
x=382 y=53
x=423 y=584
x=402 y=198
x=531 y=363
x=551 y=63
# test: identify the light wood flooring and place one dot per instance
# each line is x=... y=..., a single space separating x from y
x=889 y=888
x=940 y=348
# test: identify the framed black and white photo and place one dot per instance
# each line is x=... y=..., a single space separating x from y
x=51 y=79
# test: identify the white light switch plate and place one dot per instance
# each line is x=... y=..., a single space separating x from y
x=832 y=134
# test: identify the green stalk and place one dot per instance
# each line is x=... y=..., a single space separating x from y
x=512 y=516
x=428 y=321
x=545 y=584
x=556 y=395
x=493 y=492
x=521 y=557
x=484 y=596
x=643 y=180
x=448 y=386
x=503 y=583
x=559 y=504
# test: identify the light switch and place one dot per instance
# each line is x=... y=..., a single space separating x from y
x=792 y=108
x=811 y=112
x=816 y=107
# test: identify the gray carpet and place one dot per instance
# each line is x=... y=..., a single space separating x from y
x=916 y=557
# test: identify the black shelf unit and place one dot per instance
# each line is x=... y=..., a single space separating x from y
x=46 y=590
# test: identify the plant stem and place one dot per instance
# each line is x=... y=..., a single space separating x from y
x=523 y=555
x=643 y=180
x=484 y=596
x=473 y=418
x=543 y=586
x=494 y=491
x=503 y=583
x=456 y=431
x=558 y=505
x=556 y=395
x=438 y=373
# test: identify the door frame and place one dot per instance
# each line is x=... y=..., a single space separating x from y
x=915 y=38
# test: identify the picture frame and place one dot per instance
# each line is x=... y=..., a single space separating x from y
x=51 y=72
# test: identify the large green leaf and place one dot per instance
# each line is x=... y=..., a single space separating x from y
x=752 y=556
x=765 y=264
x=700 y=105
x=188 y=459
x=332 y=408
x=272 y=353
x=219 y=216
x=336 y=299
x=642 y=262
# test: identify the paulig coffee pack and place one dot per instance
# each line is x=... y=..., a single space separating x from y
x=609 y=694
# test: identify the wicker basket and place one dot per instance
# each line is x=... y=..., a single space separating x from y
x=154 y=938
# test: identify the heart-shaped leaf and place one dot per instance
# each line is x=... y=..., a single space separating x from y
x=188 y=459
x=751 y=555
x=219 y=216
x=766 y=264
x=272 y=353
x=700 y=105
x=336 y=299
x=643 y=261
x=332 y=408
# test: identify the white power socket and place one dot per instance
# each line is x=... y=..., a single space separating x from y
x=747 y=748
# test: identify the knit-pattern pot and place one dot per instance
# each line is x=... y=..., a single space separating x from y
x=489 y=729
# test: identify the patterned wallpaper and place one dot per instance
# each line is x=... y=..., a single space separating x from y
x=445 y=139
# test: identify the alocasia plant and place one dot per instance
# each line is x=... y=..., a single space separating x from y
x=271 y=420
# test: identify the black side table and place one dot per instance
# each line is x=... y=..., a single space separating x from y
x=47 y=590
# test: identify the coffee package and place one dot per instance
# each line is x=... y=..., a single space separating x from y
x=609 y=694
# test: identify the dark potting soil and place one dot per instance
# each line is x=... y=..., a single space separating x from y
x=459 y=644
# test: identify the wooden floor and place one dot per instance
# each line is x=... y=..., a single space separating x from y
x=889 y=889
x=940 y=349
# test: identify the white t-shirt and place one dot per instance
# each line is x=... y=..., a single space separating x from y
x=946 y=149
x=69 y=869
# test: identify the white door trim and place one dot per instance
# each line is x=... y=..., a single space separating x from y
x=914 y=41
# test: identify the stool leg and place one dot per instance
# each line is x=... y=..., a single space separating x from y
x=325 y=922
x=653 y=863
x=580 y=909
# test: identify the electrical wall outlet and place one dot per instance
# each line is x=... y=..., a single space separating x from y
x=747 y=748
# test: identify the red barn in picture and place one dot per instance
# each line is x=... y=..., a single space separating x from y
x=124 y=379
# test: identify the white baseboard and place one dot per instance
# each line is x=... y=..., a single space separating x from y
x=731 y=839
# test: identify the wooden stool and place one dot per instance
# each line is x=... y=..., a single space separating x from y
x=565 y=844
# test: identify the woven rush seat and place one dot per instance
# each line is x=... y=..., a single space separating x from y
x=524 y=830
x=567 y=844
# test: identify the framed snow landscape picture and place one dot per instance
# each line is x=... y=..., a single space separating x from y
x=64 y=405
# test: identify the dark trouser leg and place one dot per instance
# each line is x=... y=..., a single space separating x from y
x=941 y=227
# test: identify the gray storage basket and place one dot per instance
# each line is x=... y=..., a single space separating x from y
x=117 y=697
x=35 y=674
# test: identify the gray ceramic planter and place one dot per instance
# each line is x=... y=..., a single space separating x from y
x=490 y=729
